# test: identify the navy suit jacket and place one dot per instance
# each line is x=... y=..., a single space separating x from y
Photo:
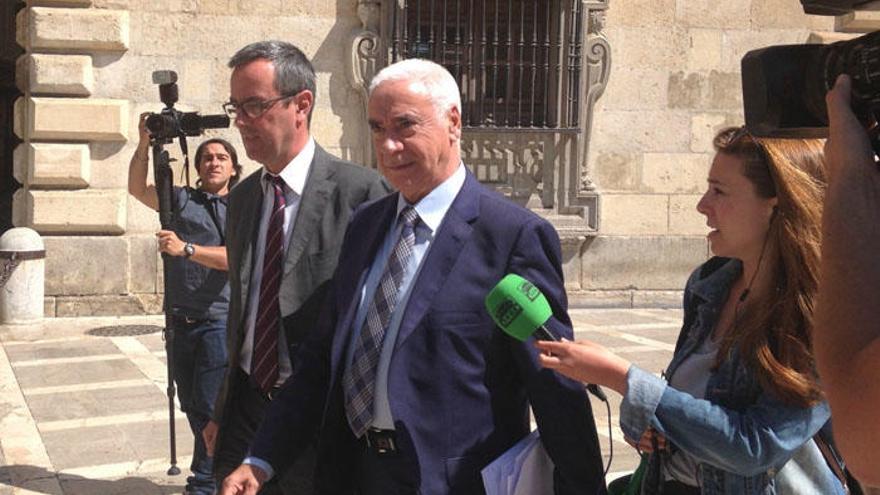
x=459 y=388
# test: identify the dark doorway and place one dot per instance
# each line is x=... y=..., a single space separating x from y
x=9 y=52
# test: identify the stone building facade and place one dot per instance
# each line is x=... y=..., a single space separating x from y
x=658 y=79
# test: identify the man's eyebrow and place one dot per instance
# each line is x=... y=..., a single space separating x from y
x=407 y=117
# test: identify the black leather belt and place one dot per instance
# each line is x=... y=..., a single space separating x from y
x=381 y=442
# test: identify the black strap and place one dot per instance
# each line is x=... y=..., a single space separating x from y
x=850 y=485
x=212 y=207
x=23 y=255
x=210 y=204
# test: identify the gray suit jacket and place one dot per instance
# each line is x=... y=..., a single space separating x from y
x=333 y=190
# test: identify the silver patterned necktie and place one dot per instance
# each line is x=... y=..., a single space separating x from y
x=359 y=380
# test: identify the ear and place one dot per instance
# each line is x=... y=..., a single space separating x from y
x=304 y=101
x=454 y=116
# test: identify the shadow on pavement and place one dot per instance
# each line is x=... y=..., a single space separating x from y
x=38 y=479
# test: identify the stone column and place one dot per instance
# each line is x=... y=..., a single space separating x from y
x=22 y=276
x=59 y=120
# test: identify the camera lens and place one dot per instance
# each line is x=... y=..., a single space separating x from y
x=161 y=125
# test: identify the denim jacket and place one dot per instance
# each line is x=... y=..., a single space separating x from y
x=740 y=436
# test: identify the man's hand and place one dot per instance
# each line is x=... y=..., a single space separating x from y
x=848 y=144
x=245 y=480
x=209 y=435
x=143 y=132
x=170 y=243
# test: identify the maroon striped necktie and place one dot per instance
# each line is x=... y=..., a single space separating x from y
x=264 y=362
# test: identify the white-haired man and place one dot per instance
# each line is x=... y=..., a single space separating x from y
x=407 y=382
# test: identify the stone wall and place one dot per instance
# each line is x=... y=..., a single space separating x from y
x=675 y=81
x=86 y=78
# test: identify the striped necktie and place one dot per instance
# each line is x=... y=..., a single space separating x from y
x=359 y=380
x=264 y=362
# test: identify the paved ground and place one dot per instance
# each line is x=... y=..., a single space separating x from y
x=83 y=408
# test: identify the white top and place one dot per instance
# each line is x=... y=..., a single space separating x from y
x=692 y=377
x=293 y=177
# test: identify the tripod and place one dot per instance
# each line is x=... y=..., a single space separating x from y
x=162 y=176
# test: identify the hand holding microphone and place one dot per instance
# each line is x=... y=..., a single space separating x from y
x=585 y=361
x=520 y=309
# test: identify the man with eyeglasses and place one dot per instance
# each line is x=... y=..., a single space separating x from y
x=285 y=224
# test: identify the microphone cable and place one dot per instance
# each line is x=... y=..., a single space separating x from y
x=599 y=394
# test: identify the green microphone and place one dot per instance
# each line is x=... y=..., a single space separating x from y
x=519 y=308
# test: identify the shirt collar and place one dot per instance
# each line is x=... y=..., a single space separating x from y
x=295 y=173
x=433 y=207
x=213 y=197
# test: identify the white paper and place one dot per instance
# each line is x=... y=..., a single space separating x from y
x=525 y=469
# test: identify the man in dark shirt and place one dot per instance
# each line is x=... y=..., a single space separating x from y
x=197 y=287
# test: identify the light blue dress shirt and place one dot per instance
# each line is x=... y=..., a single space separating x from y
x=431 y=209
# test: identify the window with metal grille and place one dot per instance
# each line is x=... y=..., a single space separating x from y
x=517 y=62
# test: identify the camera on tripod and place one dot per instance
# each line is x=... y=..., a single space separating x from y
x=170 y=122
x=784 y=86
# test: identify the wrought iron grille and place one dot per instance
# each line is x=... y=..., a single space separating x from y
x=517 y=62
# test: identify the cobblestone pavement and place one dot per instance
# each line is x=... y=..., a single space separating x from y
x=83 y=407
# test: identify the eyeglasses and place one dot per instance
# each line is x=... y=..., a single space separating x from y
x=251 y=108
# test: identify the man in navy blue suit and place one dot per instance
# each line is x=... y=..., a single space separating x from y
x=407 y=383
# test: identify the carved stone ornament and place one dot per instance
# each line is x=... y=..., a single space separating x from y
x=365 y=59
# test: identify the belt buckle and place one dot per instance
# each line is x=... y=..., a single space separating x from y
x=272 y=392
x=381 y=441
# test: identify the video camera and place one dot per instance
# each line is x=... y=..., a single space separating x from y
x=784 y=86
x=171 y=123
x=833 y=7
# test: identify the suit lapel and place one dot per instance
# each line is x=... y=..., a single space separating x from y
x=312 y=205
x=249 y=215
x=448 y=243
x=354 y=265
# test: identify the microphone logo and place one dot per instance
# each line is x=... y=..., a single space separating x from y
x=529 y=290
x=507 y=312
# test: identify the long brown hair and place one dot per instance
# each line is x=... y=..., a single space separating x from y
x=773 y=336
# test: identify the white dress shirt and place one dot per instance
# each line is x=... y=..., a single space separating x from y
x=293 y=177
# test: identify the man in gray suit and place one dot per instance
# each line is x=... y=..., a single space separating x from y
x=284 y=228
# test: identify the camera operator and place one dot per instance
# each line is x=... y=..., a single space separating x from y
x=847 y=329
x=197 y=286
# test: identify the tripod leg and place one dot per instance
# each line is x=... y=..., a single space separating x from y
x=173 y=470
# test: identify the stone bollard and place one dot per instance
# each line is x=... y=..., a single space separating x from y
x=22 y=276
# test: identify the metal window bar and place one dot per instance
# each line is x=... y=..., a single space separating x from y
x=517 y=62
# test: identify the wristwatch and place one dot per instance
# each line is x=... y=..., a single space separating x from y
x=188 y=250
